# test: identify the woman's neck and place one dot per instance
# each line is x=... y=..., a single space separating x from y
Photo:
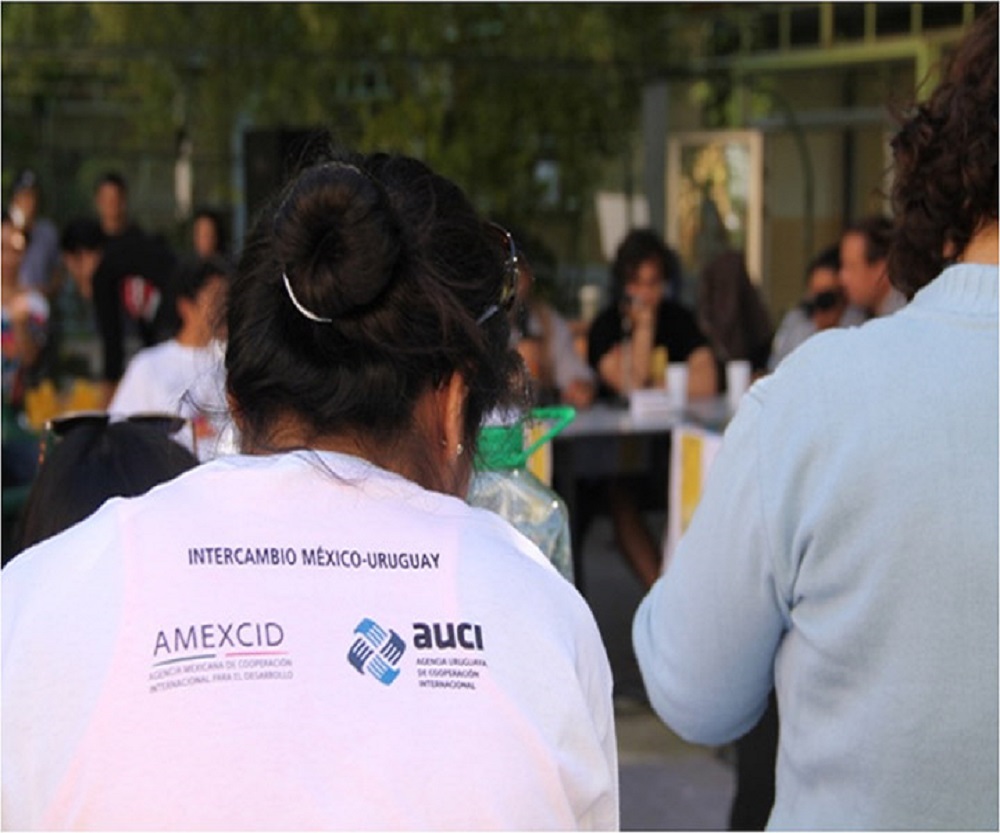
x=291 y=432
x=983 y=247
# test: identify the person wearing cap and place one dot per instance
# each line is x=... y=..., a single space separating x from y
x=40 y=260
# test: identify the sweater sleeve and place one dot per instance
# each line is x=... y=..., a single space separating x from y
x=706 y=633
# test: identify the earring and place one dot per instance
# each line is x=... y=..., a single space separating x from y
x=459 y=449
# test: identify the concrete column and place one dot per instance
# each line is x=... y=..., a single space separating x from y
x=655 y=108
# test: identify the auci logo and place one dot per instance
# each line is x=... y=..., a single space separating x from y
x=376 y=652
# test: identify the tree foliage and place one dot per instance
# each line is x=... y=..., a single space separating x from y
x=481 y=91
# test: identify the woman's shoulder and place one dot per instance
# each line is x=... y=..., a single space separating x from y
x=71 y=563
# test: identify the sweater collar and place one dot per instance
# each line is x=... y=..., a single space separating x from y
x=964 y=287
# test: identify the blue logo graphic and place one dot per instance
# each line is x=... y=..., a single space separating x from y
x=376 y=651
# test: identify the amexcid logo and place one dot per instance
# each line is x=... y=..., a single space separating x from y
x=376 y=652
x=212 y=636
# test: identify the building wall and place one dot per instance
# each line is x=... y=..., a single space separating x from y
x=826 y=157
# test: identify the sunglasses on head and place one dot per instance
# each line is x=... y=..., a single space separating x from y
x=58 y=427
x=508 y=291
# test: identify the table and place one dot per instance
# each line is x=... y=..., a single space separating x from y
x=606 y=441
x=693 y=450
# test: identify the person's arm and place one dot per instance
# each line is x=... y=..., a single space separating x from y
x=643 y=335
x=29 y=318
x=686 y=342
x=29 y=322
x=579 y=393
x=703 y=377
x=611 y=368
x=602 y=336
x=573 y=378
x=626 y=366
x=706 y=634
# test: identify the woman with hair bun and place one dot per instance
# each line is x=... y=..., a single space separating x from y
x=320 y=633
x=844 y=551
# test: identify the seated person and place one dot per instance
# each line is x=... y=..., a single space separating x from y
x=622 y=344
x=864 y=267
x=40 y=264
x=824 y=306
x=25 y=322
x=126 y=278
x=185 y=375
x=732 y=312
x=208 y=234
x=545 y=342
x=25 y=319
x=625 y=336
x=89 y=460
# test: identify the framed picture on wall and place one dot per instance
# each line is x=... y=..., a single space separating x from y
x=714 y=196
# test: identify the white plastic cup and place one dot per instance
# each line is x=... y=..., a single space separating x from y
x=677 y=382
x=737 y=381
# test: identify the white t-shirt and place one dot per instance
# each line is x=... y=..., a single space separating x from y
x=174 y=378
x=301 y=641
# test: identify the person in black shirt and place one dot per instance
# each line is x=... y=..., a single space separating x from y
x=629 y=345
x=111 y=204
x=127 y=279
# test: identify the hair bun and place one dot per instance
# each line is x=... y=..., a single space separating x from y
x=338 y=240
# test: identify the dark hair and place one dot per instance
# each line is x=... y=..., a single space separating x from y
x=397 y=260
x=26 y=180
x=215 y=218
x=946 y=163
x=112 y=178
x=639 y=246
x=828 y=258
x=82 y=234
x=191 y=276
x=877 y=232
x=91 y=464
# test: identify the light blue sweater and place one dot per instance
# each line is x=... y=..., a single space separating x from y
x=846 y=548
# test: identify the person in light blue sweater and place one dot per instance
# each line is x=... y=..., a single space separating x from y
x=845 y=549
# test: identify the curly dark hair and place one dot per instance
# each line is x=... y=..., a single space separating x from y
x=639 y=246
x=946 y=163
